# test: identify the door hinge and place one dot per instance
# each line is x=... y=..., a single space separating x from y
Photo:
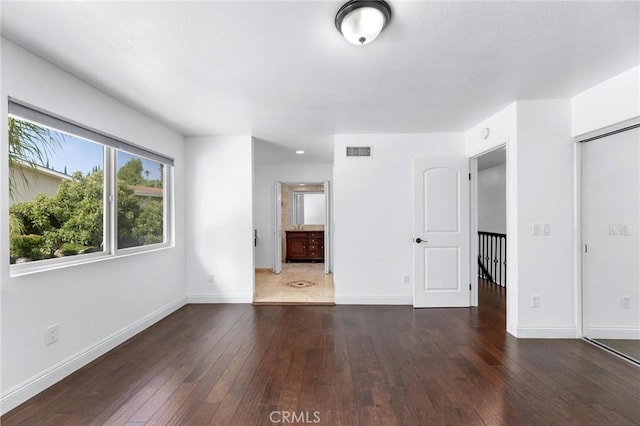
x=586 y=250
x=469 y=286
x=469 y=176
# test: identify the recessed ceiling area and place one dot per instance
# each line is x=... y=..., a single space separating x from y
x=494 y=158
x=281 y=72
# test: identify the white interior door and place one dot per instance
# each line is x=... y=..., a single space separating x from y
x=277 y=229
x=611 y=237
x=441 y=232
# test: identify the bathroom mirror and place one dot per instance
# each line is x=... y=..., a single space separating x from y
x=307 y=208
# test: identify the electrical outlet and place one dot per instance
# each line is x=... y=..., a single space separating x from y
x=535 y=301
x=546 y=229
x=407 y=279
x=613 y=229
x=211 y=278
x=625 y=302
x=624 y=229
x=52 y=334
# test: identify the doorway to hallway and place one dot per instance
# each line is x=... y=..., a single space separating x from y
x=491 y=218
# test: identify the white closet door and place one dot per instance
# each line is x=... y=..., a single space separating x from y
x=610 y=236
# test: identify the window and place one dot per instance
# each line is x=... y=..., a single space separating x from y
x=77 y=194
x=140 y=201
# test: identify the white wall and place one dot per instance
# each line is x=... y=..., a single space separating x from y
x=492 y=199
x=545 y=167
x=609 y=103
x=263 y=199
x=219 y=219
x=540 y=189
x=96 y=305
x=373 y=205
x=502 y=128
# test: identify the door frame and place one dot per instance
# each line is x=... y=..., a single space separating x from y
x=328 y=231
x=277 y=228
x=473 y=217
x=277 y=224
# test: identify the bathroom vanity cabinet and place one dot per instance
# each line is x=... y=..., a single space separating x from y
x=305 y=246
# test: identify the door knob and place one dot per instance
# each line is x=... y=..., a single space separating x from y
x=420 y=240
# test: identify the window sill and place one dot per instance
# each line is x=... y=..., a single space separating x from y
x=18 y=270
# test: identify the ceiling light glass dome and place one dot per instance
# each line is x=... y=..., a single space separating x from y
x=360 y=22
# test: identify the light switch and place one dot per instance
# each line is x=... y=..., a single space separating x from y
x=613 y=229
x=547 y=229
x=535 y=229
x=625 y=302
x=624 y=229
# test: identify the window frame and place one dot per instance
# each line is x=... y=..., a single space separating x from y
x=111 y=145
x=113 y=210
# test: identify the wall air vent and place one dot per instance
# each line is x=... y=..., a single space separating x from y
x=358 y=152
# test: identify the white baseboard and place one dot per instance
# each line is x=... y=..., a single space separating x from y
x=36 y=384
x=527 y=332
x=344 y=299
x=606 y=332
x=219 y=298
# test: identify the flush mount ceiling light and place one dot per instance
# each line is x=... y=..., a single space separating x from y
x=361 y=21
x=299 y=152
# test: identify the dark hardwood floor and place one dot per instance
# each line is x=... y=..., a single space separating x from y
x=342 y=365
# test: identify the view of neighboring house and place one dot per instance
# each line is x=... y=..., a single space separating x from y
x=38 y=180
x=147 y=192
x=42 y=180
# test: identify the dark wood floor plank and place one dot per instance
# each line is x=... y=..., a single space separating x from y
x=240 y=376
x=352 y=365
x=172 y=411
x=160 y=365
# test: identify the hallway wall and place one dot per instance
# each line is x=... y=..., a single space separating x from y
x=541 y=190
x=219 y=219
x=492 y=199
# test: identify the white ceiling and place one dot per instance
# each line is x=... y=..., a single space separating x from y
x=281 y=72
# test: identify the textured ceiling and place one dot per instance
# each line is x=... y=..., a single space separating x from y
x=281 y=72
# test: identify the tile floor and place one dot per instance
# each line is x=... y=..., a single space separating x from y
x=273 y=289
